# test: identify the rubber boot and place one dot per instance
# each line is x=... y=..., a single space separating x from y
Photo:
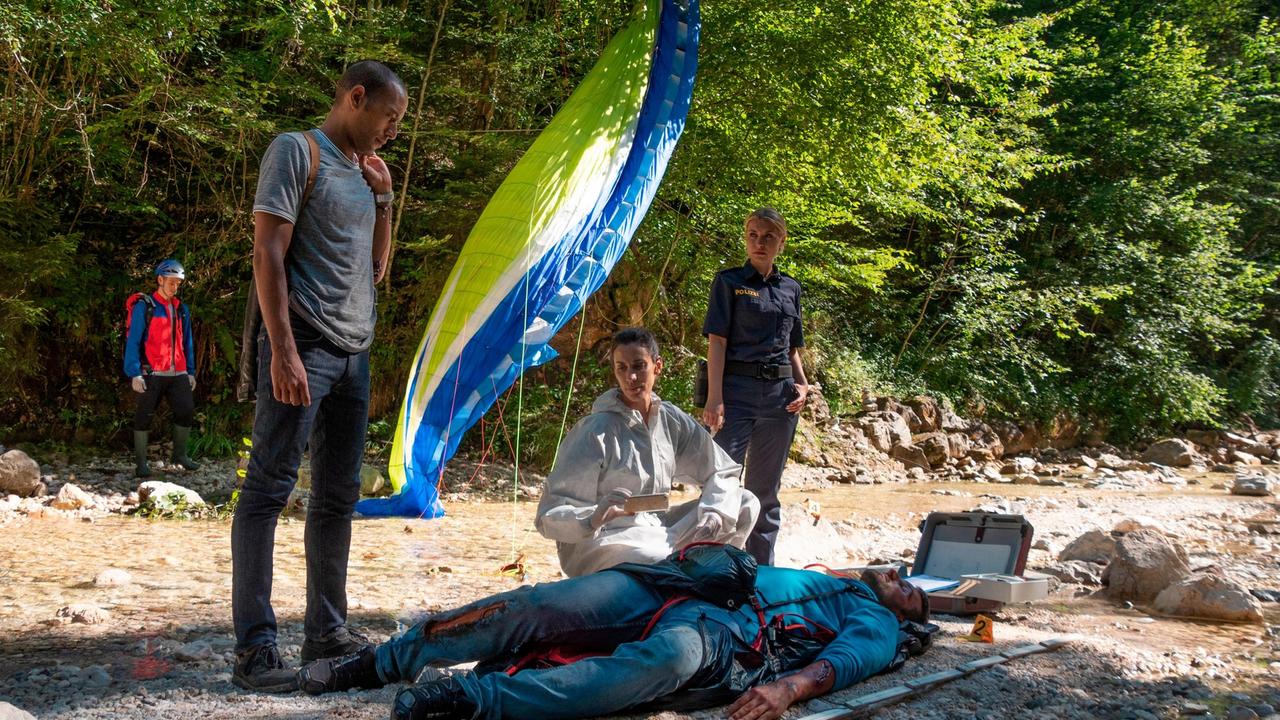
x=180 y=435
x=140 y=453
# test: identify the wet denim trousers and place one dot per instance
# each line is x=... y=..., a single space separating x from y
x=333 y=426
x=598 y=610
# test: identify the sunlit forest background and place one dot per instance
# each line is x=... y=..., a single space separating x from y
x=1056 y=211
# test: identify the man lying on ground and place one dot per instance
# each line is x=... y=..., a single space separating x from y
x=787 y=636
x=633 y=443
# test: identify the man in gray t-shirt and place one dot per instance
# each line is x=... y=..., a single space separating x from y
x=316 y=259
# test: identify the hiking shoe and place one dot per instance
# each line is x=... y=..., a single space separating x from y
x=358 y=670
x=260 y=668
x=436 y=700
x=343 y=641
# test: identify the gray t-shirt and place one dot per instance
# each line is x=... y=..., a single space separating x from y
x=330 y=262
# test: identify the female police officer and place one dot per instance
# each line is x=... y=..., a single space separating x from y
x=755 y=380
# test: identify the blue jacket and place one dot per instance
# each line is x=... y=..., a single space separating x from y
x=866 y=632
x=170 y=348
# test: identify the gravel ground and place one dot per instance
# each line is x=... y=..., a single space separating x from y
x=157 y=643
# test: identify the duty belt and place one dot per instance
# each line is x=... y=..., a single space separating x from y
x=762 y=371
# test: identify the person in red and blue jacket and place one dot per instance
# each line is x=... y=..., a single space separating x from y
x=159 y=359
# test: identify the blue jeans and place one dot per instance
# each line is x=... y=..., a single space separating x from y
x=334 y=425
x=758 y=429
x=606 y=610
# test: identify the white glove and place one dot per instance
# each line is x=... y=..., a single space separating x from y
x=192 y=379
x=708 y=527
x=610 y=507
x=139 y=385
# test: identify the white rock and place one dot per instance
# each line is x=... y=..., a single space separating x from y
x=1094 y=546
x=71 y=497
x=112 y=577
x=160 y=489
x=1210 y=596
x=1251 y=485
x=1107 y=461
x=85 y=614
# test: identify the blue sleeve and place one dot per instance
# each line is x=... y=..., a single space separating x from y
x=865 y=645
x=133 y=343
x=719 y=309
x=189 y=340
x=797 y=329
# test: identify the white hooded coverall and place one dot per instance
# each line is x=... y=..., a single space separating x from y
x=615 y=447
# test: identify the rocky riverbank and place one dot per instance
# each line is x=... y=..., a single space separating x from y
x=111 y=615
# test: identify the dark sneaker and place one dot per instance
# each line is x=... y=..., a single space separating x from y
x=343 y=641
x=343 y=673
x=436 y=700
x=260 y=668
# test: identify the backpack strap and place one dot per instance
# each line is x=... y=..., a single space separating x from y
x=247 y=381
x=313 y=169
x=148 y=312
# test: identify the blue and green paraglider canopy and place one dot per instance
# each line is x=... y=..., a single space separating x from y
x=547 y=239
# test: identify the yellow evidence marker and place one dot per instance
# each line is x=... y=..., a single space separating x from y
x=983 y=631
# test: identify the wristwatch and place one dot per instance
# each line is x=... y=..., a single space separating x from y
x=383 y=199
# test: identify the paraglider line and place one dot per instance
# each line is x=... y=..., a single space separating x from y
x=573 y=374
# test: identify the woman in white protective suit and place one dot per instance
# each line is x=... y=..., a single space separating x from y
x=633 y=443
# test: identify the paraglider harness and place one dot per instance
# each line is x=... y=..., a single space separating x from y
x=247 y=380
x=726 y=576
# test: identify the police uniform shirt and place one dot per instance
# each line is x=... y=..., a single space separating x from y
x=759 y=316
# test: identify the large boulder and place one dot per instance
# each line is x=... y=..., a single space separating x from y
x=951 y=422
x=936 y=447
x=1172 y=452
x=958 y=444
x=885 y=430
x=20 y=475
x=928 y=414
x=912 y=456
x=1241 y=457
x=1094 y=546
x=1145 y=563
x=1016 y=440
x=1211 y=596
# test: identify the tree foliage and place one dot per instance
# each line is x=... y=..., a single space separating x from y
x=1064 y=207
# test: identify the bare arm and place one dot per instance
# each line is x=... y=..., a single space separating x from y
x=381 y=243
x=770 y=701
x=271 y=237
x=378 y=176
x=802 y=384
x=713 y=414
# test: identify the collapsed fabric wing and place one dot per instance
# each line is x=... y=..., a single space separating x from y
x=547 y=239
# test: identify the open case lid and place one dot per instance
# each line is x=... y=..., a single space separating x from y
x=955 y=544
